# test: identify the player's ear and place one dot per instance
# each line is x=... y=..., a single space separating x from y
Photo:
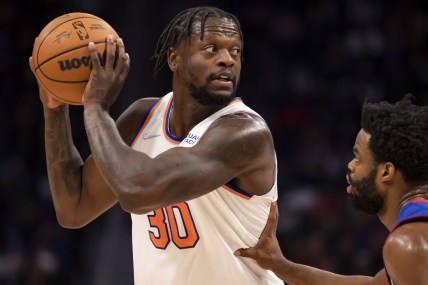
x=172 y=59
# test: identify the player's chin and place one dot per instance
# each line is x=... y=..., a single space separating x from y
x=225 y=98
x=228 y=92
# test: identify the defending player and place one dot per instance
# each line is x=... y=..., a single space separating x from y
x=388 y=178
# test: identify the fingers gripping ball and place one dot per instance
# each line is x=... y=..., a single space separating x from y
x=61 y=58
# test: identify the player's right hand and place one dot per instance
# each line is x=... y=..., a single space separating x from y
x=107 y=79
x=48 y=100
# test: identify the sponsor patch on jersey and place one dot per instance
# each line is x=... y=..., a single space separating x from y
x=191 y=139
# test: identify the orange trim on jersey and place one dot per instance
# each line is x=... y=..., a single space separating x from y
x=236 y=100
x=146 y=121
x=233 y=191
x=250 y=112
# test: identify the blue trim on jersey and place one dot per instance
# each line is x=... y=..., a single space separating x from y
x=239 y=190
x=171 y=136
x=412 y=210
x=143 y=121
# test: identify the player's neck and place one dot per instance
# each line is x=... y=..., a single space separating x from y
x=418 y=192
x=390 y=215
x=185 y=114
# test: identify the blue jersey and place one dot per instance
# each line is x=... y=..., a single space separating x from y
x=413 y=211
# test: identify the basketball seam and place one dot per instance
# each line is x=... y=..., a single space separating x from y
x=49 y=59
x=38 y=67
x=59 y=98
x=41 y=43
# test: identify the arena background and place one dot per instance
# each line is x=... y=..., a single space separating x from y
x=308 y=67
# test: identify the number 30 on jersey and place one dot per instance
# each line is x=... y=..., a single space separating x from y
x=175 y=223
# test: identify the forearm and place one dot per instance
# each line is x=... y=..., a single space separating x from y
x=299 y=274
x=64 y=164
x=110 y=153
x=131 y=175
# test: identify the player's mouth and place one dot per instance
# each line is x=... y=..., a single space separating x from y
x=349 y=188
x=225 y=80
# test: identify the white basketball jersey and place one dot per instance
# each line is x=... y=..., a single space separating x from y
x=192 y=243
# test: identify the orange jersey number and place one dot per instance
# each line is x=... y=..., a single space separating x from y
x=182 y=230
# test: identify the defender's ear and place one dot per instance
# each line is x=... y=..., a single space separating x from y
x=388 y=171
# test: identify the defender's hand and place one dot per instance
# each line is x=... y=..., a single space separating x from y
x=267 y=251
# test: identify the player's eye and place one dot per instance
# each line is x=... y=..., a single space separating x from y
x=210 y=48
x=235 y=51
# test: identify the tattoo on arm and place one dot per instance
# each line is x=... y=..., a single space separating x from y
x=250 y=139
x=62 y=159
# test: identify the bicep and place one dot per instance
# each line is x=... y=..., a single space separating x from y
x=229 y=148
x=186 y=173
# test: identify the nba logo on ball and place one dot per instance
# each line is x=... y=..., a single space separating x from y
x=61 y=59
x=81 y=31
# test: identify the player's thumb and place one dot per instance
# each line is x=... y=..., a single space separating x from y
x=244 y=252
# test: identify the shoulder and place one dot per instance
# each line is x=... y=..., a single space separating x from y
x=405 y=253
x=244 y=124
x=130 y=119
x=409 y=238
x=239 y=134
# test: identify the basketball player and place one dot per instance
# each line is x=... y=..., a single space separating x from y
x=387 y=177
x=196 y=168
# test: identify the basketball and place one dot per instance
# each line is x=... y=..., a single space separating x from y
x=61 y=58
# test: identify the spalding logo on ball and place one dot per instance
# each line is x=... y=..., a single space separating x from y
x=61 y=57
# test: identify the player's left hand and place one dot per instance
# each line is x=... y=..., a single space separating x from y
x=106 y=80
x=267 y=251
x=47 y=99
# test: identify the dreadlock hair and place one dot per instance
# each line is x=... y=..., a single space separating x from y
x=181 y=27
x=399 y=134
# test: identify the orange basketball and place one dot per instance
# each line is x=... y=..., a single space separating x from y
x=61 y=57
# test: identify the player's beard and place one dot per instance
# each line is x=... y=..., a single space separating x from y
x=365 y=196
x=206 y=98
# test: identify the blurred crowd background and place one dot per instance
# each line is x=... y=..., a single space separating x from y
x=308 y=67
